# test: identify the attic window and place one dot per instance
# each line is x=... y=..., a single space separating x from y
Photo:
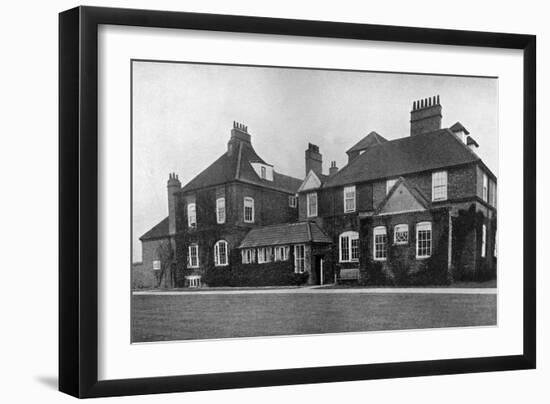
x=263 y=169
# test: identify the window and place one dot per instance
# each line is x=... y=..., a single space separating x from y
x=439 y=186
x=299 y=259
x=193 y=281
x=191 y=215
x=423 y=240
x=193 y=257
x=264 y=255
x=292 y=201
x=483 y=241
x=349 y=199
x=220 y=210
x=220 y=253
x=390 y=184
x=401 y=234
x=349 y=246
x=156 y=265
x=380 y=240
x=493 y=193
x=248 y=256
x=312 y=205
x=281 y=253
x=248 y=210
x=485 y=191
x=263 y=171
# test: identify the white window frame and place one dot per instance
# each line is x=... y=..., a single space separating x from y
x=485 y=188
x=299 y=262
x=439 y=185
x=220 y=210
x=156 y=265
x=483 y=241
x=248 y=256
x=348 y=247
x=192 y=215
x=400 y=228
x=349 y=196
x=190 y=249
x=263 y=172
x=423 y=227
x=292 y=199
x=312 y=196
x=262 y=255
x=248 y=203
x=389 y=184
x=281 y=253
x=219 y=259
x=380 y=255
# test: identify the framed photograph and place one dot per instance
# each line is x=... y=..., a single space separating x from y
x=250 y=201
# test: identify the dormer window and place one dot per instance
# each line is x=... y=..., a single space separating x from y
x=264 y=171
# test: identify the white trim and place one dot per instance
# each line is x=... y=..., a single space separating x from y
x=156 y=265
x=310 y=213
x=483 y=241
x=440 y=181
x=303 y=259
x=217 y=256
x=310 y=182
x=424 y=226
x=400 y=212
x=379 y=231
x=349 y=189
x=192 y=207
x=404 y=227
x=192 y=247
x=249 y=200
x=350 y=236
x=219 y=201
x=292 y=201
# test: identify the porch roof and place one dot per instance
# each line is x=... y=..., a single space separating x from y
x=283 y=234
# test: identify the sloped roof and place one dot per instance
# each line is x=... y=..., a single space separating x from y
x=458 y=127
x=285 y=233
x=237 y=167
x=369 y=140
x=160 y=230
x=406 y=155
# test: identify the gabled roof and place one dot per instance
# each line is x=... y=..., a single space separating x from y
x=402 y=197
x=458 y=127
x=369 y=140
x=312 y=181
x=237 y=167
x=285 y=234
x=406 y=155
x=160 y=230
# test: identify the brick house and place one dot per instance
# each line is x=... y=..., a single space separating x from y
x=403 y=206
x=426 y=198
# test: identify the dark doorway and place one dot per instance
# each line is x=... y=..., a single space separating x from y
x=319 y=270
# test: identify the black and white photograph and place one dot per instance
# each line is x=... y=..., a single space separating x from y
x=282 y=201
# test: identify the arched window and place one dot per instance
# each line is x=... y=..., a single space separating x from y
x=380 y=240
x=191 y=215
x=349 y=246
x=249 y=210
x=220 y=253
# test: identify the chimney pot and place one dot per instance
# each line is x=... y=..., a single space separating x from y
x=426 y=117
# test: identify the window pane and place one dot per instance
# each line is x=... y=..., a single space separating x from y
x=380 y=243
x=439 y=185
x=423 y=240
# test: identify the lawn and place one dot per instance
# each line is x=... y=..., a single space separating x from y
x=196 y=316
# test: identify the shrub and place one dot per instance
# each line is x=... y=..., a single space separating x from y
x=375 y=275
x=432 y=272
x=268 y=274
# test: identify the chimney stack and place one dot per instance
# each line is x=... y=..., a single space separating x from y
x=426 y=116
x=173 y=186
x=239 y=134
x=333 y=169
x=314 y=159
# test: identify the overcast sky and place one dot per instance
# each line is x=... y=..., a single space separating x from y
x=183 y=114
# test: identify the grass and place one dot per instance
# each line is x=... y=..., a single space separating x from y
x=183 y=317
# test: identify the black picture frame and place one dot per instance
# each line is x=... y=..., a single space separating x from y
x=78 y=200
